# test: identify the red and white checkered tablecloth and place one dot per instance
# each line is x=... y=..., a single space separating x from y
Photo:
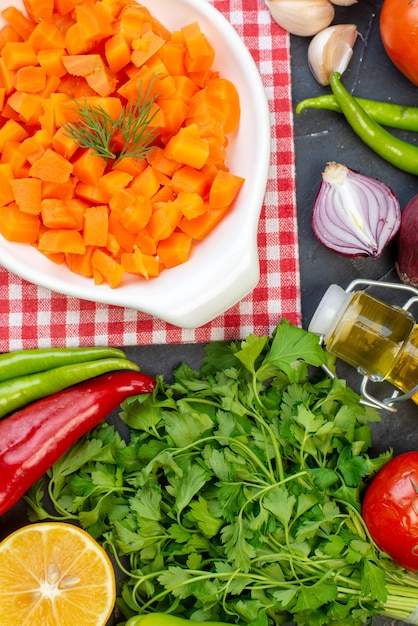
x=32 y=316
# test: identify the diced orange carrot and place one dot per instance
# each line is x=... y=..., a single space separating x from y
x=187 y=147
x=55 y=214
x=117 y=52
x=90 y=193
x=136 y=215
x=174 y=250
x=34 y=147
x=89 y=167
x=30 y=79
x=27 y=194
x=12 y=154
x=224 y=189
x=200 y=53
x=172 y=55
x=12 y=131
x=95 y=21
x=112 y=181
x=145 y=47
x=96 y=225
x=6 y=191
x=17 y=226
x=27 y=105
x=191 y=204
x=46 y=35
x=145 y=242
x=81 y=263
x=174 y=112
x=146 y=183
x=164 y=220
x=63 y=191
x=111 y=271
x=51 y=166
x=8 y=33
x=92 y=68
x=17 y=54
x=20 y=22
x=125 y=239
x=229 y=97
x=199 y=227
x=51 y=60
x=64 y=144
x=137 y=262
x=39 y=9
x=6 y=77
x=112 y=244
x=189 y=179
x=77 y=208
x=62 y=240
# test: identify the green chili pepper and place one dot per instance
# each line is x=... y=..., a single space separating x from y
x=18 y=392
x=399 y=153
x=385 y=113
x=22 y=362
x=166 y=619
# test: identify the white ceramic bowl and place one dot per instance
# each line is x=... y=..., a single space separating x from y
x=224 y=267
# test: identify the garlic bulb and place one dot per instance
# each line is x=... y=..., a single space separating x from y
x=344 y=3
x=331 y=50
x=302 y=17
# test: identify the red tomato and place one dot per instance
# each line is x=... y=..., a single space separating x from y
x=390 y=509
x=399 y=32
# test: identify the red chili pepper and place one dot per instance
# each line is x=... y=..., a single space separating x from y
x=34 y=438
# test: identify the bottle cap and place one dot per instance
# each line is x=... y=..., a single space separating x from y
x=329 y=311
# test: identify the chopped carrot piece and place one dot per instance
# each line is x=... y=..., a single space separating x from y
x=45 y=36
x=96 y=225
x=191 y=204
x=62 y=240
x=89 y=167
x=224 y=189
x=199 y=227
x=27 y=193
x=175 y=249
x=117 y=52
x=164 y=220
x=20 y=22
x=6 y=191
x=55 y=214
x=12 y=155
x=111 y=271
x=145 y=47
x=12 y=131
x=81 y=263
x=39 y=9
x=200 y=54
x=51 y=166
x=17 y=54
x=51 y=60
x=188 y=147
x=17 y=226
x=30 y=79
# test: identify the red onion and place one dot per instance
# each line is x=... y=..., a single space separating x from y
x=407 y=256
x=354 y=215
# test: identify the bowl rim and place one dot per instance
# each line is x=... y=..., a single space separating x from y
x=217 y=288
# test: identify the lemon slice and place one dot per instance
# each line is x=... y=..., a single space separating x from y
x=54 y=574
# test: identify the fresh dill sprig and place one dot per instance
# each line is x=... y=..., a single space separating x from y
x=131 y=131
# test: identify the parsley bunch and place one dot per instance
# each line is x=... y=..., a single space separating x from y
x=235 y=496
